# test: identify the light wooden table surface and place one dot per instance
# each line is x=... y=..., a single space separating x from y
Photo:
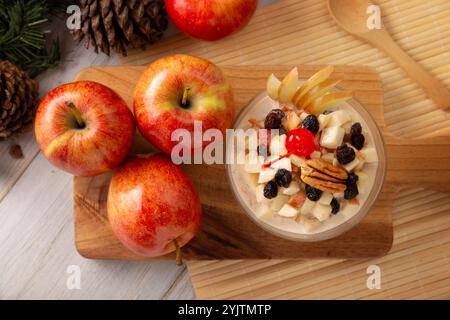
x=36 y=221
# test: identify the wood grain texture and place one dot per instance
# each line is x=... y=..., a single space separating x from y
x=227 y=233
x=301 y=32
x=36 y=221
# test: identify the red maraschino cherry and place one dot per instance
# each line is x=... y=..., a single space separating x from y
x=300 y=142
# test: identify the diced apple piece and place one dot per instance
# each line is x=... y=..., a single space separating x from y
x=292 y=189
x=338 y=195
x=298 y=199
x=329 y=157
x=311 y=224
x=370 y=155
x=288 y=211
x=284 y=163
x=296 y=160
x=352 y=165
x=332 y=137
x=328 y=100
x=292 y=121
x=323 y=119
x=322 y=212
x=338 y=118
x=326 y=198
x=278 y=146
x=315 y=155
x=273 y=86
x=263 y=212
x=278 y=202
x=266 y=175
x=312 y=82
x=288 y=86
x=362 y=175
x=362 y=181
x=307 y=207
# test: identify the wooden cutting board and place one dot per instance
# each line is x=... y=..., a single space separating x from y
x=293 y=32
x=226 y=231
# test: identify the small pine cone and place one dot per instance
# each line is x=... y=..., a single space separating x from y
x=19 y=97
x=116 y=24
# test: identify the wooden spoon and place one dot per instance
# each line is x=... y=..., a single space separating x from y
x=352 y=16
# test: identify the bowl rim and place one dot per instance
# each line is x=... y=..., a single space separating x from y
x=345 y=225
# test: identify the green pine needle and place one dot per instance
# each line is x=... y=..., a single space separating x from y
x=22 y=39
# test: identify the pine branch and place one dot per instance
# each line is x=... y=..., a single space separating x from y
x=22 y=39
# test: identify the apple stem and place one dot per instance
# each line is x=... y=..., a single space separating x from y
x=76 y=113
x=178 y=256
x=184 y=99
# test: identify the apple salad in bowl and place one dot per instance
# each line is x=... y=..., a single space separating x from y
x=314 y=159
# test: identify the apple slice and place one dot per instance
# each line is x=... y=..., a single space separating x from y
x=327 y=100
x=273 y=86
x=322 y=89
x=312 y=82
x=288 y=86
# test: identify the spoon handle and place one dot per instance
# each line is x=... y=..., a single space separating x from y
x=434 y=89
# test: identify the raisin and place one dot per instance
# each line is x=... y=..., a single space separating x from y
x=312 y=193
x=262 y=150
x=358 y=141
x=356 y=128
x=311 y=123
x=270 y=190
x=283 y=178
x=352 y=178
x=351 y=192
x=274 y=119
x=345 y=154
x=335 y=206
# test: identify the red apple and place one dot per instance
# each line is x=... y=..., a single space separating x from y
x=210 y=19
x=177 y=90
x=84 y=128
x=152 y=205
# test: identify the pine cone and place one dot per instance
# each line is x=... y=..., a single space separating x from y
x=116 y=24
x=19 y=96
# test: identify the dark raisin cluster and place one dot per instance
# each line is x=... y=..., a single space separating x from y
x=312 y=193
x=352 y=188
x=311 y=123
x=270 y=190
x=357 y=138
x=274 y=119
x=283 y=178
x=345 y=154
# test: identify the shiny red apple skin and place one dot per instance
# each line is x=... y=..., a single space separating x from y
x=101 y=145
x=157 y=97
x=210 y=20
x=150 y=203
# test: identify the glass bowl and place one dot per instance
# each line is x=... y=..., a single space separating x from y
x=245 y=193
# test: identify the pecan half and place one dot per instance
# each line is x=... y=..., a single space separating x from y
x=322 y=175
